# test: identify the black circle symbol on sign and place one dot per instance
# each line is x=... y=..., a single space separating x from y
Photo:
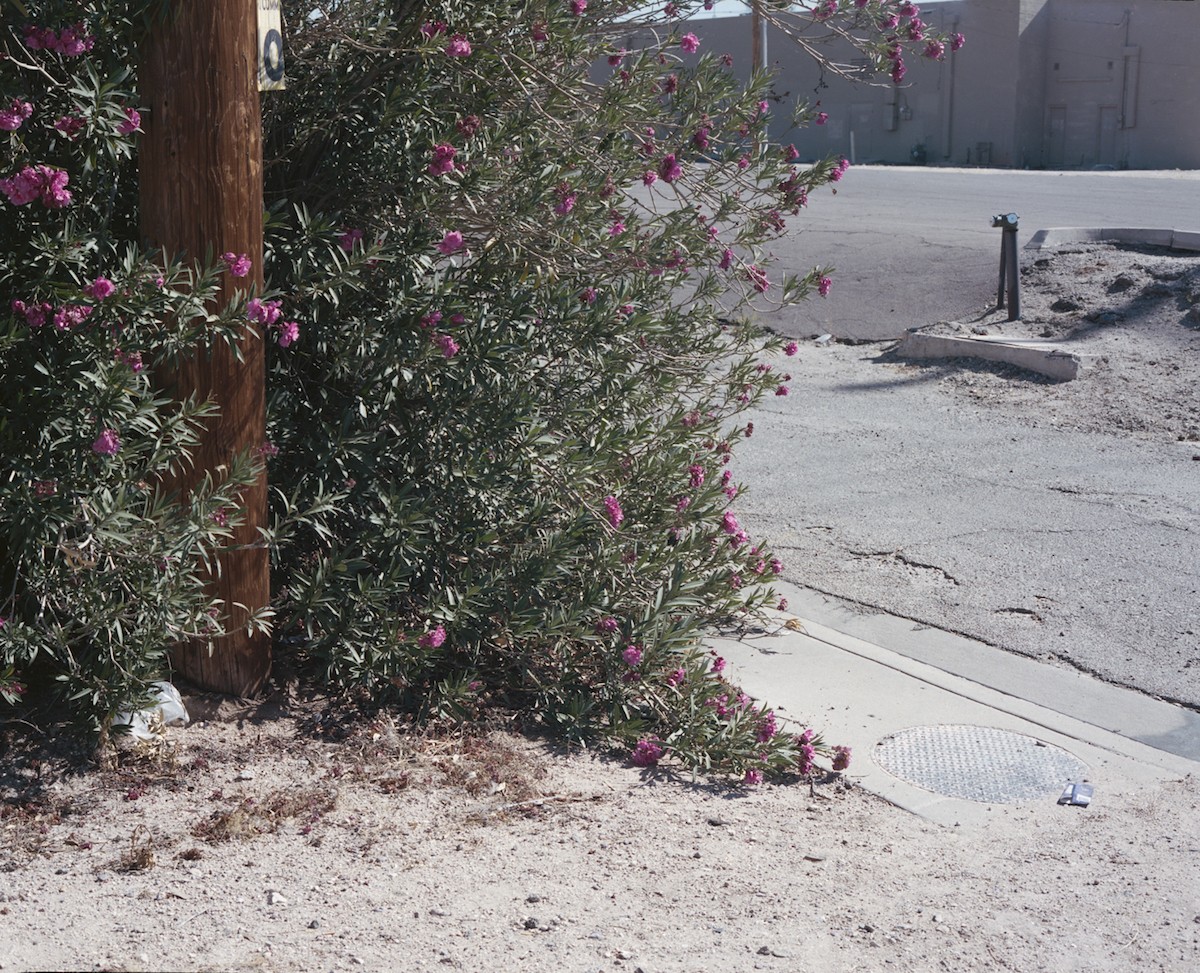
x=272 y=55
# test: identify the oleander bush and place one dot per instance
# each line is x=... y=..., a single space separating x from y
x=514 y=242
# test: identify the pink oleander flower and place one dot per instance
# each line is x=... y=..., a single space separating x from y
x=14 y=116
x=607 y=625
x=632 y=656
x=898 y=70
x=934 y=50
x=108 y=443
x=700 y=139
x=669 y=169
x=689 y=43
x=676 y=677
x=735 y=581
x=566 y=199
x=957 y=41
x=99 y=289
x=45 y=488
x=839 y=170
x=288 y=334
x=268 y=450
x=726 y=259
x=70 y=126
x=452 y=242
x=841 y=758
x=132 y=122
x=776 y=566
x=824 y=285
x=239 y=264
x=729 y=522
x=588 y=296
x=647 y=753
x=613 y=512
x=459 y=46
x=825 y=10
x=443 y=159
x=696 y=474
x=35 y=182
x=617 y=228
x=432 y=28
x=539 y=31
x=805 y=758
x=433 y=639
x=782 y=390
x=764 y=107
x=718 y=665
x=783 y=605
x=822 y=117
x=909 y=9
x=791 y=348
x=69 y=42
x=447 y=344
x=758 y=277
x=348 y=238
x=468 y=125
x=768 y=727
x=578 y=7
x=649 y=177
x=753 y=777
x=70 y=316
x=263 y=312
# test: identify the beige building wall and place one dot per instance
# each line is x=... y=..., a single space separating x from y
x=1040 y=83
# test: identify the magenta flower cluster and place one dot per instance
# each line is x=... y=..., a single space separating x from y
x=648 y=752
x=613 y=512
x=443 y=160
x=268 y=314
x=69 y=42
x=38 y=182
x=14 y=116
x=433 y=639
x=64 y=318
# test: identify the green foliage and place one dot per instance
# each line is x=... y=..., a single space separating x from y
x=517 y=274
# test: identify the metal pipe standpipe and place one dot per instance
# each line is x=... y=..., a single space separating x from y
x=1010 y=273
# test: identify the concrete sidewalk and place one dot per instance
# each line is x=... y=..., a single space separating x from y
x=951 y=717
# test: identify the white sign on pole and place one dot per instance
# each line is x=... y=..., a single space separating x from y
x=270 y=46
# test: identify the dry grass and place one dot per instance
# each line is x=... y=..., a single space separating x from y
x=251 y=817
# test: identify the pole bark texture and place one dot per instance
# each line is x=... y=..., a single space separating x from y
x=200 y=171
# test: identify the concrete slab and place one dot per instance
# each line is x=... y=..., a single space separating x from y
x=1045 y=359
x=1144 y=236
x=1185 y=240
x=858 y=693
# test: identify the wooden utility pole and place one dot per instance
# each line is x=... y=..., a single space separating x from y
x=200 y=170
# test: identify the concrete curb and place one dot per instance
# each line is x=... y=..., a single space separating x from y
x=1150 y=237
x=865 y=693
x=1041 y=357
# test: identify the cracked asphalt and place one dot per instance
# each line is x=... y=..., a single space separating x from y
x=895 y=489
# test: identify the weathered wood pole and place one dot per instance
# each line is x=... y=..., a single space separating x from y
x=200 y=171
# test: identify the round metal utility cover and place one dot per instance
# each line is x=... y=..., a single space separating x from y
x=978 y=763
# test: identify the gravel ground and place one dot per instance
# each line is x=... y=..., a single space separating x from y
x=271 y=845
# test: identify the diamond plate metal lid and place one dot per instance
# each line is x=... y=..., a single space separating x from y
x=978 y=763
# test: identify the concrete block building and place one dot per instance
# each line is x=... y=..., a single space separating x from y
x=1057 y=84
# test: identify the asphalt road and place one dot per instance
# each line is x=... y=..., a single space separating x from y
x=912 y=246
x=1083 y=548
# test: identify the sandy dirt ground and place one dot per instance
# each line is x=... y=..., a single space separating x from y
x=1132 y=315
x=299 y=835
x=296 y=843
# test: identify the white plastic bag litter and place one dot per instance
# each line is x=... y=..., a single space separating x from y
x=167 y=710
